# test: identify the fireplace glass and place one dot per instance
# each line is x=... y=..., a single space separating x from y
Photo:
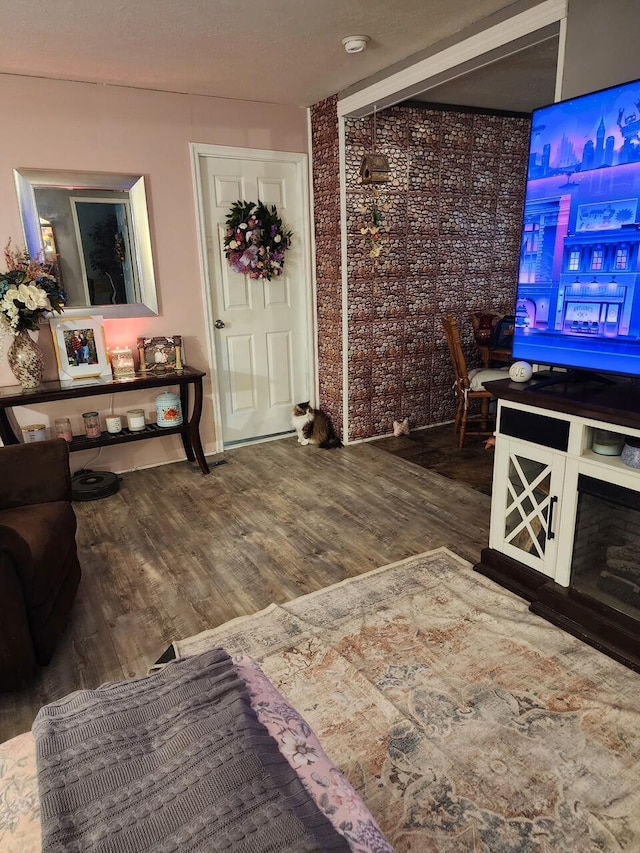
x=606 y=551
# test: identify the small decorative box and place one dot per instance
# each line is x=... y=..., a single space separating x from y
x=168 y=409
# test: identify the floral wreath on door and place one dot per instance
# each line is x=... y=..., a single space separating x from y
x=256 y=240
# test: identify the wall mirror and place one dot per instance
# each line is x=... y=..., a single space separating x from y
x=95 y=228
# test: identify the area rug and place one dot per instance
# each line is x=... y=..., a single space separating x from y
x=465 y=722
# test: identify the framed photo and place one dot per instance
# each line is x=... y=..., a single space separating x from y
x=80 y=348
x=159 y=355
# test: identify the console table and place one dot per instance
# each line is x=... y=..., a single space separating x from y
x=189 y=430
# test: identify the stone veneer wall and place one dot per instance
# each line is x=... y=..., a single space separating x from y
x=456 y=195
x=326 y=218
x=455 y=219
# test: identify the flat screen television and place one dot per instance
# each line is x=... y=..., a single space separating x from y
x=578 y=299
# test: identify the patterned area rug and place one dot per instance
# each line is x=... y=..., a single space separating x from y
x=465 y=722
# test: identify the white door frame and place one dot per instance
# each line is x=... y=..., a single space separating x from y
x=200 y=151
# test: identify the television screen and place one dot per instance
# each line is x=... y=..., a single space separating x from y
x=578 y=302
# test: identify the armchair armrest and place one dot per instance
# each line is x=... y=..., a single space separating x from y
x=34 y=473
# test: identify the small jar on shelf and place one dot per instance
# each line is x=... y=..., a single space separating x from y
x=168 y=409
x=114 y=424
x=92 y=424
x=631 y=452
x=135 y=420
x=62 y=428
x=607 y=443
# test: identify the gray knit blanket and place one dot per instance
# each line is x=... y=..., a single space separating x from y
x=176 y=761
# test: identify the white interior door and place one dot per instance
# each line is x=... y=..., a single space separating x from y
x=261 y=328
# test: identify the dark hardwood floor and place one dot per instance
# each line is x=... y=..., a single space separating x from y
x=437 y=448
x=174 y=552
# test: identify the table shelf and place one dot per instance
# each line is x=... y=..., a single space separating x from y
x=106 y=439
x=189 y=430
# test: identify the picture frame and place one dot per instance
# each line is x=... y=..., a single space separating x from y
x=80 y=348
x=162 y=354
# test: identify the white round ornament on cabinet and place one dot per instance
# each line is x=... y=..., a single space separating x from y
x=521 y=371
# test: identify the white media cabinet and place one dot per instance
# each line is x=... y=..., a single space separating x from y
x=543 y=456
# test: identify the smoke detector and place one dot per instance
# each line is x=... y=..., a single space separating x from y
x=355 y=44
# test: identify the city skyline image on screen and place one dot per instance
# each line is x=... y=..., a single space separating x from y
x=578 y=301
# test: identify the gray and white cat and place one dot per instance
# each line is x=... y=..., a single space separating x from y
x=314 y=427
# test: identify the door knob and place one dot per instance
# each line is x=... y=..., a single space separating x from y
x=219 y=324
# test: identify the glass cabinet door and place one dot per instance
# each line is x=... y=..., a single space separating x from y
x=525 y=515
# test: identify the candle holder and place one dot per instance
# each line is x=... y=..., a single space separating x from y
x=34 y=432
x=113 y=424
x=135 y=420
x=122 y=363
x=92 y=427
x=143 y=363
x=62 y=428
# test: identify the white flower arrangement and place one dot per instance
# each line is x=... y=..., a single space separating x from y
x=28 y=290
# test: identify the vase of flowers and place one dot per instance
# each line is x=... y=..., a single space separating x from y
x=256 y=240
x=26 y=360
x=28 y=291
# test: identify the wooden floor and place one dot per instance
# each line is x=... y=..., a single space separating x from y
x=437 y=448
x=174 y=552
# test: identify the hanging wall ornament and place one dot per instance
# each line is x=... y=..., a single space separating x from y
x=374 y=227
x=374 y=167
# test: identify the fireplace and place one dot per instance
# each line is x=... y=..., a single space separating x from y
x=605 y=563
x=565 y=517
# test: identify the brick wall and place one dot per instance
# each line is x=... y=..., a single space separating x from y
x=453 y=242
x=326 y=218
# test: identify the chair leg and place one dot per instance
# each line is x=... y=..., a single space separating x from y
x=459 y=412
x=463 y=427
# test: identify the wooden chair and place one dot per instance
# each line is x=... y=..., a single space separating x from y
x=468 y=389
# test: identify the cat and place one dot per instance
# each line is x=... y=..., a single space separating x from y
x=314 y=427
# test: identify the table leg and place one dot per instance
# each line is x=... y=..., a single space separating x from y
x=194 y=425
x=7 y=434
x=184 y=435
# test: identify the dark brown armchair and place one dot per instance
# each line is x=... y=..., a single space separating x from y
x=39 y=569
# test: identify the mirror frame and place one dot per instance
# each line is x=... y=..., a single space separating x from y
x=27 y=180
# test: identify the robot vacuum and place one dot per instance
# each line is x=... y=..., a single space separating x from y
x=90 y=485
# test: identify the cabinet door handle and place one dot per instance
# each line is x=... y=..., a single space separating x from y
x=552 y=503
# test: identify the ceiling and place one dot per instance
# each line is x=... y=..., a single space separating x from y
x=520 y=82
x=280 y=51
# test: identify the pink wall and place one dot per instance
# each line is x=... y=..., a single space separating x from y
x=80 y=126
